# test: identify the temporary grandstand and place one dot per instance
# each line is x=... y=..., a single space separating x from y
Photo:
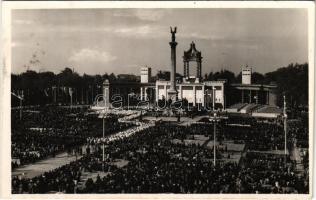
x=236 y=107
x=249 y=108
x=255 y=110
x=268 y=112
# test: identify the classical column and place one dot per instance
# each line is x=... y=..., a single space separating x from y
x=185 y=69
x=249 y=96
x=203 y=99
x=157 y=93
x=173 y=91
x=141 y=93
x=165 y=88
x=145 y=90
x=188 y=69
x=181 y=93
x=194 y=95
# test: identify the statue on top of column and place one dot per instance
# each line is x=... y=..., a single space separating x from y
x=173 y=32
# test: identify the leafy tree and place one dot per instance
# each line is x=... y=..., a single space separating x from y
x=225 y=74
x=257 y=78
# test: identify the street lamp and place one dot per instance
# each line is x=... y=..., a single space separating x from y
x=285 y=127
x=214 y=119
x=214 y=137
x=103 y=156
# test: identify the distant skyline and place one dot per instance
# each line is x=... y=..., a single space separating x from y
x=98 y=41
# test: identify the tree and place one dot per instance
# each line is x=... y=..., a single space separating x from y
x=257 y=78
x=225 y=75
x=293 y=80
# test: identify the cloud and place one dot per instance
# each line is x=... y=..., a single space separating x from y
x=149 y=15
x=91 y=55
x=206 y=35
x=152 y=15
x=144 y=31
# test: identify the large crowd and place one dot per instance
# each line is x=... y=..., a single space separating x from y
x=48 y=131
x=155 y=164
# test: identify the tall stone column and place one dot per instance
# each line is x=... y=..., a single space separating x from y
x=250 y=96
x=194 y=95
x=172 y=93
x=106 y=93
x=145 y=93
x=181 y=93
x=165 y=89
x=157 y=93
x=203 y=99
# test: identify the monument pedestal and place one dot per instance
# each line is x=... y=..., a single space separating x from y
x=173 y=94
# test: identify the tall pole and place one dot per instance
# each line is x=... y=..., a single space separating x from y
x=214 y=92
x=214 y=135
x=103 y=157
x=285 y=127
x=21 y=109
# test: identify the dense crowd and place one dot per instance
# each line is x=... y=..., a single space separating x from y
x=62 y=179
x=47 y=131
x=155 y=164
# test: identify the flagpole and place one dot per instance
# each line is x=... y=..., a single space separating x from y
x=103 y=157
x=214 y=135
x=285 y=127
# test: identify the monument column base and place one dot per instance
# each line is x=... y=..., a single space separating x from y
x=173 y=94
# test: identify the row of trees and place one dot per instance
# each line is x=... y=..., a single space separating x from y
x=47 y=87
x=291 y=81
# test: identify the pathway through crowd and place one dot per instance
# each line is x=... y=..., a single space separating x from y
x=38 y=168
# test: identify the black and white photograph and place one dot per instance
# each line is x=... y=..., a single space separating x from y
x=160 y=100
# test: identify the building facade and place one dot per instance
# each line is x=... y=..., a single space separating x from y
x=211 y=94
x=145 y=74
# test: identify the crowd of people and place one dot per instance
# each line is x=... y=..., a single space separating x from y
x=63 y=179
x=271 y=173
x=155 y=164
x=47 y=131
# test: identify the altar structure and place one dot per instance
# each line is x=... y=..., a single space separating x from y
x=191 y=87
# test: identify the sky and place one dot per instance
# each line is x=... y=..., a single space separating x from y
x=98 y=41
